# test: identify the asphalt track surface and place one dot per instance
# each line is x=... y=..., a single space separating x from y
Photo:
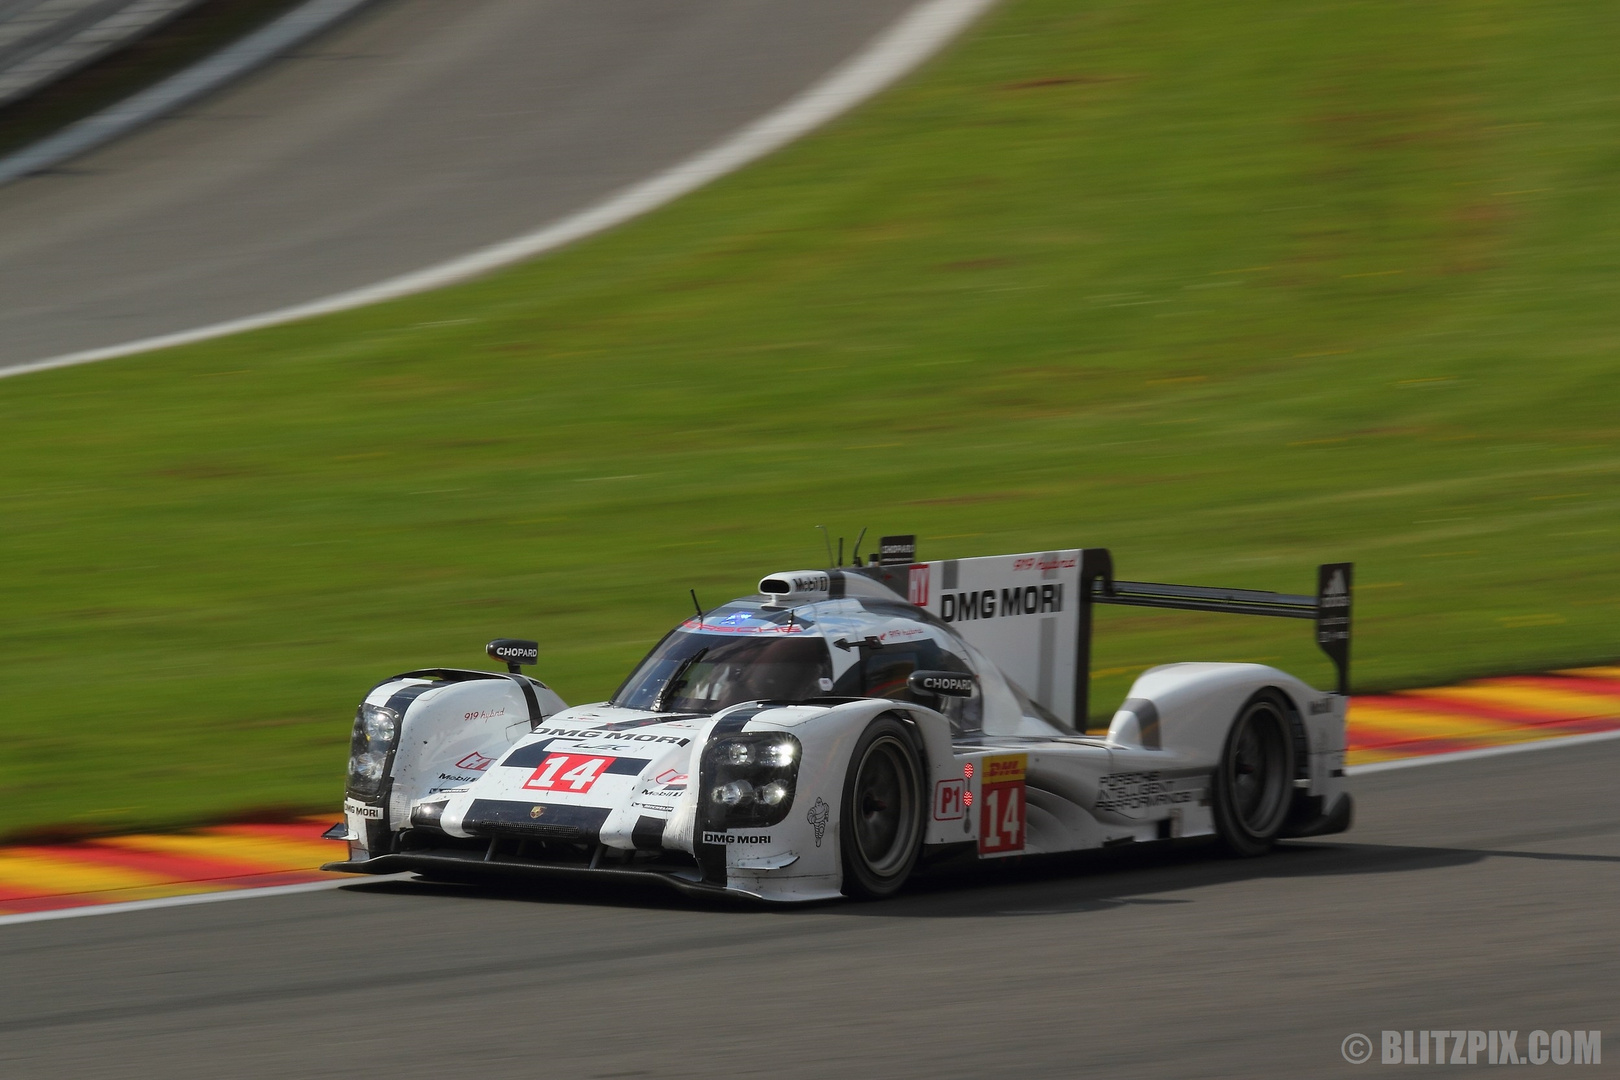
x=1469 y=895
x=418 y=132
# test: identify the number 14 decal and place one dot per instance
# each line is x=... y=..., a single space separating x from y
x=1001 y=809
x=567 y=772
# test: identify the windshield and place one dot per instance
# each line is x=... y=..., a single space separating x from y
x=704 y=673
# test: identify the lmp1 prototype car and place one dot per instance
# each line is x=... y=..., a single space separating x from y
x=821 y=738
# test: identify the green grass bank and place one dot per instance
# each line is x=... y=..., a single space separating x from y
x=1231 y=289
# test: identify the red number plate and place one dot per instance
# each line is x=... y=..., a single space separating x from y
x=1001 y=804
x=568 y=772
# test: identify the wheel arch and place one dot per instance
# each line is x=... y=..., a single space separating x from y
x=1190 y=708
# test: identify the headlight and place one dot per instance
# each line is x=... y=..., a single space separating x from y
x=749 y=778
x=370 y=742
x=735 y=793
x=773 y=752
x=780 y=753
x=381 y=724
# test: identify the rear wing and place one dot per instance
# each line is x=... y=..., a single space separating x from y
x=1329 y=609
x=1030 y=613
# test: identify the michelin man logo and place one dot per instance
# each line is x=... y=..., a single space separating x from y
x=818 y=816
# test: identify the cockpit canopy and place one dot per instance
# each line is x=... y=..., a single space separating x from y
x=850 y=647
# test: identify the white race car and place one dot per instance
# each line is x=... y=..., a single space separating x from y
x=821 y=738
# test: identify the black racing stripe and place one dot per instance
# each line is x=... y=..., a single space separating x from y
x=529 y=699
x=400 y=701
x=527 y=757
x=746 y=713
x=530 y=757
x=648 y=835
x=712 y=857
x=558 y=820
x=402 y=698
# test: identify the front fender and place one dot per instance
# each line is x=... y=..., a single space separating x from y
x=450 y=732
x=800 y=858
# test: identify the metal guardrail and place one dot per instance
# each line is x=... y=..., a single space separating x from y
x=203 y=77
x=43 y=40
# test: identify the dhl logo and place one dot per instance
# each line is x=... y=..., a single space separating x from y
x=1004 y=769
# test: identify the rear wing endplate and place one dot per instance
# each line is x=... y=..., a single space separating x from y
x=1329 y=609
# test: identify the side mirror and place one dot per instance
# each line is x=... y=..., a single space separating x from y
x=513 y=652
x=943 y=683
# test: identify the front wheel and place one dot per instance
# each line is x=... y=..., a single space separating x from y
x=881 y=826
x=1254 y=780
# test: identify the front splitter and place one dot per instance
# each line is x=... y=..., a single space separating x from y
x=473 y=867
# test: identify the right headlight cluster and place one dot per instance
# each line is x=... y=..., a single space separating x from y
x=750 y=779
x=376 y=729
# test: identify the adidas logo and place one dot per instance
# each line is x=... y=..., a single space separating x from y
x=1337 y=591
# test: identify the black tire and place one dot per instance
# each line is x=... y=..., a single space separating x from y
x=881 y=826
x=1254 y=782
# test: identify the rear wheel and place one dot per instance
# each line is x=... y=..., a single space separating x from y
x=1254 y=781
x=881 y=827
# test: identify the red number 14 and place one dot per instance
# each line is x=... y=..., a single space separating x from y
x=1001 y=822
x=567 y=772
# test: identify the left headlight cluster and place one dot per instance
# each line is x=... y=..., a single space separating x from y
x=750 y=779
x=376 y=729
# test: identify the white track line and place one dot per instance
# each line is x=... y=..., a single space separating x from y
x=336 y=883
x=916 y=36
x=187 y=900
x=1487 y=752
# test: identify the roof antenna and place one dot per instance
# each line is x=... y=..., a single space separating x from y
x=696 y=605
x=826 y=539
x=840 y=551
x=855 y=559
